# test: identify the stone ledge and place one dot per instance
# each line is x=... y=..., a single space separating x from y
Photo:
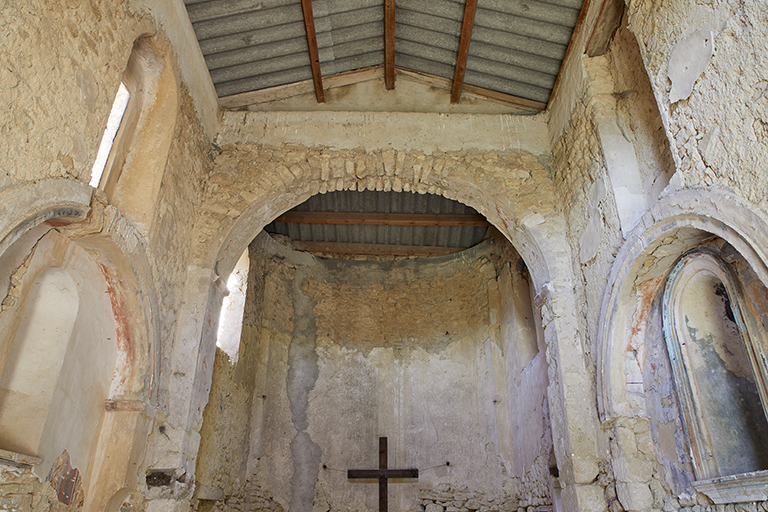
x=18 y=459
x=735 y=488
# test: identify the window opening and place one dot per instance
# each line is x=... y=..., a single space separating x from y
x=232 y=308
x=107 y=140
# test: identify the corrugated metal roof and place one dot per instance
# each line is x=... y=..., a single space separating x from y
x=382 y=202
x=517 y=46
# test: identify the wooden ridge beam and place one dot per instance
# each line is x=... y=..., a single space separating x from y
x=314 y=54
x=461 y=60
x=374 y=249
x=389 y=44
x=383 y=219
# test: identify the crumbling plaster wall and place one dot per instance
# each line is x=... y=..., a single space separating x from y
x=718 y=133
x=611 y=163
x=336 y=352
x=57 y=102
x=714 y=140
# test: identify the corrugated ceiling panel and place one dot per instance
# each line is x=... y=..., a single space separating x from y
x=384 y=202
x=355 y=29
x=416 y=45
x=517 y=46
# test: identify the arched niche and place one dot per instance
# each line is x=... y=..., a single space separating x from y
x=64 y=230
x=636 y=381
x=35 y=355
x=716 y=356
x=689 y=216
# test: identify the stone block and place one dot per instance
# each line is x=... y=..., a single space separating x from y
x=591 y=497
x=634 y=496
x=167 y=505
x=632 y=469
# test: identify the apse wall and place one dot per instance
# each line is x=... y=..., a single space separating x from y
x=336 y=353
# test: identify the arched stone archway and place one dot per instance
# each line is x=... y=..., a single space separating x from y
x=715 y=212
x=255 y=184
x=639 y=399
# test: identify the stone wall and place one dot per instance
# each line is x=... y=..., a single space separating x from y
x=22 y=490
x=57 y=101
x=717 y=131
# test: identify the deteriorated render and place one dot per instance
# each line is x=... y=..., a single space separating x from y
x=492 y=256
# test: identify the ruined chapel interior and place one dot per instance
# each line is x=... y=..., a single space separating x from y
x=419 y=256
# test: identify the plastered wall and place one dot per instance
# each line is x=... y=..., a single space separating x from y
x=717 y=132
x=336 y=353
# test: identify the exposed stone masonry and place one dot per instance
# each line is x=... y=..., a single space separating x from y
x=22 y=491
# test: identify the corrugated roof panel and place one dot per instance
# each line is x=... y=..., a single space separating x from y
x=414 y=63
x=515 y=88
x=423 y=51
x=517 y=42
x=512 y=57
x=254 y=83
x=426 y=21
x=254 y=54
x=533 y=10
x=261 y=67
x=355 y=15
x=447 y=9
x=425 y=36
x=212 y=9
x=358 y=48
x=351 y=63
x=517 y=46
x=510 y=73
x=253 y=38
x=524 y=27
x=251 y=20
x=384 y=202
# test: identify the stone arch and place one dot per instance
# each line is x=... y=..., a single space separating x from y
x=82 y=219
x=708 y=212
x=231 y=218
x=277 y=188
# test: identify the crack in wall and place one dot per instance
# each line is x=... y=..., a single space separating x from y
x=303 y=371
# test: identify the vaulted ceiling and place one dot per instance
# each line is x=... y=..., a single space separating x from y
x=506 y=51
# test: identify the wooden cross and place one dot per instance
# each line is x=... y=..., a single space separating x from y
x=383 y=474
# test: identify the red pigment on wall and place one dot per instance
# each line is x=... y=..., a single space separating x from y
x=122 y=327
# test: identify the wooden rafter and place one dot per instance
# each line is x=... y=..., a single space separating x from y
x=461 y=59
x=383 y=219
x=389 y=44
x=314 y=55
x=373 y=249
x=281 y=92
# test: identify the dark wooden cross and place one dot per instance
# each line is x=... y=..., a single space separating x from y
x=383 y=474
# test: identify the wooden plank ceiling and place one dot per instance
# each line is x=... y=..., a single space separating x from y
x=509 y=51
